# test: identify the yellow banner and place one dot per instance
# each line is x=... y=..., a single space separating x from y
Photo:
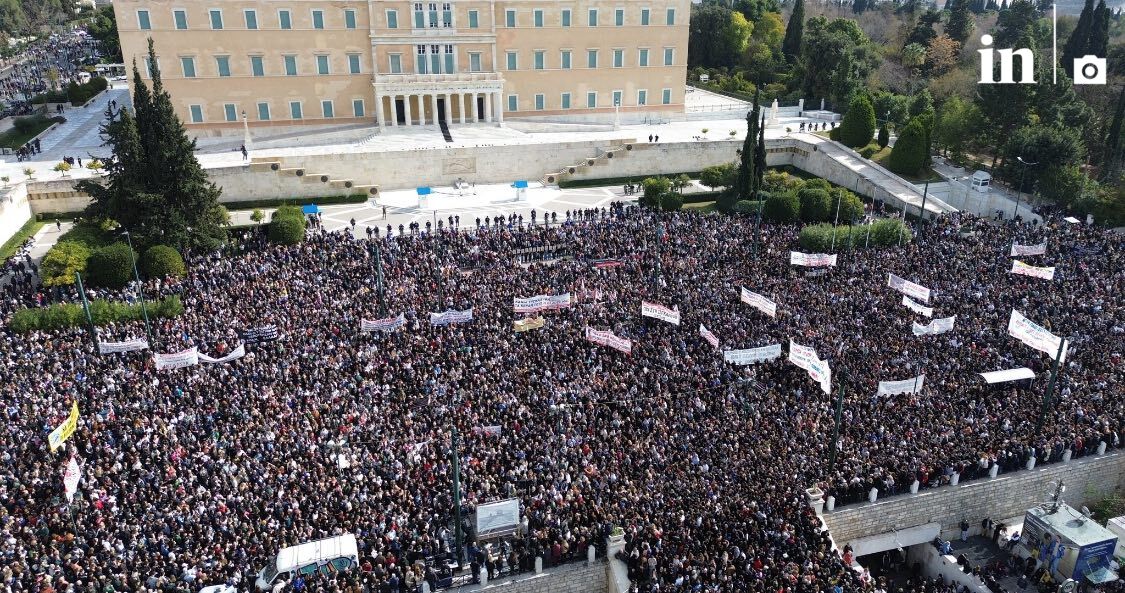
x=59 y=435
x=522 y=325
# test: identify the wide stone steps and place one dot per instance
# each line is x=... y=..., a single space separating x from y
x=603 y=159
x=349 y=186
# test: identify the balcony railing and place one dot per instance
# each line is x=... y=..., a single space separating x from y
x=440 y=78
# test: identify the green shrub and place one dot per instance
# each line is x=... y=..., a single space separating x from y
x=779 y=181
x=26 y=125
x=66 y=315
x=818 y=183
x=79 y=94
x=909 y=152
x=723 y=175
x=858 y=126
x=815 y=204
x=287 y=230
x=288 y=211
x=886 y=232
x=869 y=150
x=850 y=207
x=782 y=207
x=655 y=189
x=111 y=266
x=160 y=261
x=62 y=262
x=748 y=206
x=672 y=202
x=889 y=231
x=884 y=136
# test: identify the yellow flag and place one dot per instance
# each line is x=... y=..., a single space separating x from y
x=522 y=325
x=59 y=435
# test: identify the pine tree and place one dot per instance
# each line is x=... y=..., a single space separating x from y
x=960 y=25
x=909 y=152
x=1079 y=41
x=884 y=136
x=791 y=45
x=154 y=185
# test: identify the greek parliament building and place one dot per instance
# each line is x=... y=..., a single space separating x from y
x=323 y=62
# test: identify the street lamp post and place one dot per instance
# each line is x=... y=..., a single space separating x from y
x=245 y=131
x=457 y=530
x=140 y=289
x=1050 y=385
x=1019 y=190
x=836 y=424
x=616 y=114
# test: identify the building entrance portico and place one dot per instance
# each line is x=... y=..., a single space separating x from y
x=421 y=99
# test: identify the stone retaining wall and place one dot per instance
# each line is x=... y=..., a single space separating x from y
x=1007 y=495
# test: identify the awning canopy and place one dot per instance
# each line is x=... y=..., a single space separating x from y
x=520 y=185
x=1008 y=375
x=310 y=209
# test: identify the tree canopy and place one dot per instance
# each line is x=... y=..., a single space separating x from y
x=154 y=187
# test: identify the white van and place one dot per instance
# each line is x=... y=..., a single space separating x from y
x=326 y=556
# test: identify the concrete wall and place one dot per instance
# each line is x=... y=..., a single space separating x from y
x=1007 y=495
x=570 y=578
x=14 y=210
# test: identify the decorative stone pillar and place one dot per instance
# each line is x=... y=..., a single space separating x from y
x=830 y=504
x=591 y=553
x=994 y=470
x=873 y=495
x=1101 y=448
x=956 y=479
x=461 y=106
x=538 y=565
x=409 y=112
x=433 y=109
x=488 y=98
x=1031 y=463
x=474 y=108
x=801 y=107
x=499 y=108
x=914 y=487
x=379 y=110
x=1067 y=455
x=448 y=108
x=393 y=119
x=816 y=499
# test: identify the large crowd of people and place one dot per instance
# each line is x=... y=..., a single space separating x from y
x=50 y=62
x=199 y=475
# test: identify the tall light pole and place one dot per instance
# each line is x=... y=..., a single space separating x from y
x=617 y=114
x=1019 y=190
x=1050 y=385
x=836 y=424
x=140 y=289
x=245 y=131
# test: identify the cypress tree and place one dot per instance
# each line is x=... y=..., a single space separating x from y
x=1113 y=142
x=909 y=152
x=960 y=25
x=1098 y=43
x=1079 y=41
x=858 y=126
x=760 y=157
x=791 y=45
x=746 y=175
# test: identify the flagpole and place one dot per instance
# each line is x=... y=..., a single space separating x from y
x=86 y=308
x=1050 y=386
x=458 y=545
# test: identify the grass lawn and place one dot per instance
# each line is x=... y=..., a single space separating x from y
x=701 y=207
x=28 y=229
x=14 y=139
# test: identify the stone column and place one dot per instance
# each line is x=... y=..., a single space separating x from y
x=379 y=110
x=448 y=108
x=409 y=114
x=474 y=113
x=488 y=97
x=461 y=106
x=499 y=108
x=393 y=121
x=433 y=110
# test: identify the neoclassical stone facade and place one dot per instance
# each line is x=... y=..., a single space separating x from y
x=268 y=63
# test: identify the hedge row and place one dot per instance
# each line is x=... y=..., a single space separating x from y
x=67 y=315
x=274 y=203
x=603 y=181
x=886 y=232
x=79 y=94
x=89 y=249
